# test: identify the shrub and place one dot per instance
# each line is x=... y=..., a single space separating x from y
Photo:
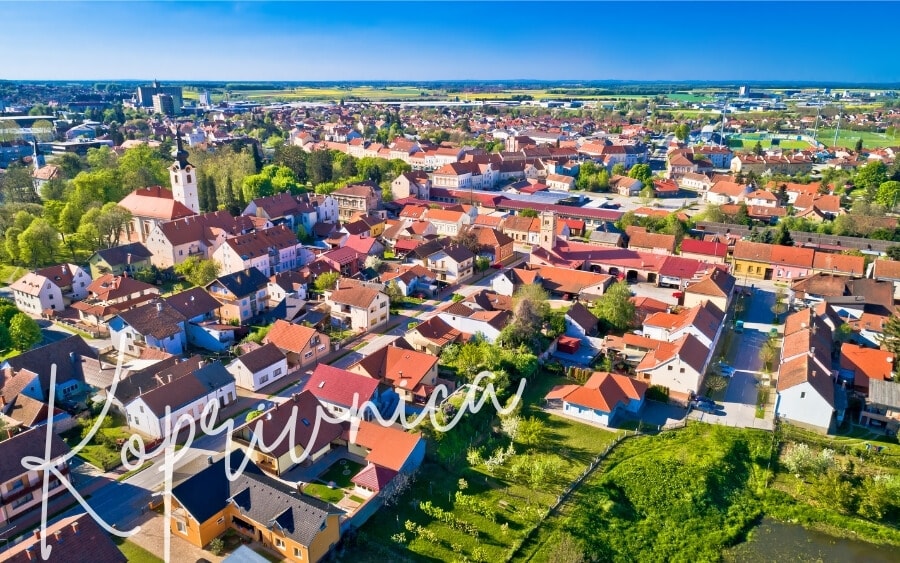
x=216 y=546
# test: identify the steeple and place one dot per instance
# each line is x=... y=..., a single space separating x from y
x=183 y=177
x=181 y=155
x=37 y=157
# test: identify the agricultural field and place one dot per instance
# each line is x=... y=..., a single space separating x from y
x=848 y=139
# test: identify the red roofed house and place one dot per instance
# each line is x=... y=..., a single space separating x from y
x=603 y=399
x=149 y=207
x=302 y=345
x=723 y=192
x=257 y=367
x=706 y=251
x=860 y=365
x=657 y=243
x=888 y=270
x=341 y=391
x=678 y=366
x=411 y=374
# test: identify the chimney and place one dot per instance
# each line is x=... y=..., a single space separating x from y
x=37 y=535
x=200 y=364
x=58 y=535
x=159 y=306
x=29 y=552
x=170 y=378
x=75 y=527
x=812 y=351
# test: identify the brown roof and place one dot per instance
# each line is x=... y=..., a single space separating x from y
x=388 y=446
x=109 y=287
x=644 y=239
x=178 y=392
x=582 y=316
x=30 y=443
x=400 y=367
x=262 y=357
x=688 y=348
x=840 y=263
x=717 y=283
x=155 y=202
x=356 y=296
x=289 y=336
x=74 y=538
x=887 y=269
x=801 y=370
x=193 y=302
x=28 y=411
x=438 y=331
x=201 y=227
x=300 y=412
x=157 y=319
x=356 y=190
x=259 y=243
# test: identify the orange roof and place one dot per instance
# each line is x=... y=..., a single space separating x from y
x=289 y=336
x=888 y=269
x=867 y=363
x=155 y=202
x=840 y=263
x=604 y=391
x=388 y=447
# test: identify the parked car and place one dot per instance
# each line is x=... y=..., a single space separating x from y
x=703 y=399
x=725 y=370
x=703 y=406
x=739 y=326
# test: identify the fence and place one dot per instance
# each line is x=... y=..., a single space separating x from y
x=574 y=485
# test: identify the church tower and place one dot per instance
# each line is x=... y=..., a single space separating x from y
x=183 y=178
x=548 y=230
x=37 y=157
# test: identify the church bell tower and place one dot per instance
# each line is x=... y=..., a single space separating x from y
x=183 y=178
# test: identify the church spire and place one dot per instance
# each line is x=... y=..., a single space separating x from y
x=181 y=155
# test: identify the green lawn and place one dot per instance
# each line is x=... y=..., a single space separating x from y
x=748 y=145
x=341 y=473
x=102 y=451
x=9 y=274
x=323 y=492
x=848 y=138
x=135 y=553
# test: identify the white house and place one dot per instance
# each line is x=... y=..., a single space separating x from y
x=357 y=306
x=155 y=325
x=703 y=321
x=340 y=390
x=446 y=222
x=187 y=395
x=602 y=399
x=53 y=288
x=725 y=192
x=678 y=366
x=805 y=394
x=488 y=324
x=270 y=251
x=258 y=367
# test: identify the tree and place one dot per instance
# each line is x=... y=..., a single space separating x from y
x=531 y=431
x=682 y=130
x=43 y=130
x=482 y=263
x=618 y=169
x=198 y=271
x=743 y=215
x=255 y=186
x=643 y=173
x=887 y=194
x=871 y=176
x=394 y=293
x=17 y=185
x=70 y=164
x=38 y=244
x=468 y=237
x=758 y=148
x=326 y=281
x=891 y=335
x=11 y=243
x=859 y=145
x=293 y=157
x=783 y=235
x=530 y=308
x=212 y=198
x=767 y=354
x=615 y=307
x=319 y=167
x=112 y=222
x=893 y=252
x=142 y=166
x=373 y=262
x=528 y=213
x=24 y=332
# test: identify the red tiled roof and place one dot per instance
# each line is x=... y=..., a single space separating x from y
x=341 y=387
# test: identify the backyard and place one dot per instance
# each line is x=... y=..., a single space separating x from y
x=335 y=482
x=103 y=450
x=477 y=508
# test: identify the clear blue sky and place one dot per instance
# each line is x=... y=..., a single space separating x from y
x=431 y=41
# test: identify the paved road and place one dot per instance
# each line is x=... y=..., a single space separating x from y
x=740 y=395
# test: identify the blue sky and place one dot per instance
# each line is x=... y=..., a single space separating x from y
x=432 y=41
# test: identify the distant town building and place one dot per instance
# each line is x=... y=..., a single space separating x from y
x=145 y=95
x=163 y=104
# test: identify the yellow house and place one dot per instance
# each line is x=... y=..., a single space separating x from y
x=256 y=506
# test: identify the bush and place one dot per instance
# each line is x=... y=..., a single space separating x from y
x=216 y=546
x=658 y=393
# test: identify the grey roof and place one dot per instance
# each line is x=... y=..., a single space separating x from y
x=244 y=282
x=885 y=393
x=193 y=302
x=602 y=236
x=262 y=357
x=119 y=254
x=259 y=497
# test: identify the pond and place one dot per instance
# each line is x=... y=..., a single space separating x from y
x=777 y=541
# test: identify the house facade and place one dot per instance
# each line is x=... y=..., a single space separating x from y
x=21 y=490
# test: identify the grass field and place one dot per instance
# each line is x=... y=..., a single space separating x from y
x=135 y=553
x=747 y=145
x=323 y=492
x=509 y=507
x=848 y=138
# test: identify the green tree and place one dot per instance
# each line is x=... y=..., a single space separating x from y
x=212 y=197
x=783 y=235
x=528 y=213
x=112 y=223
x=887 y=194
x=531 y=431
x=198 y=271
x=17 y=185
x=871 y=176
x=319 y=167
x=758 y=148
x=394 y=293
x=38 y=244
x=891 y=336
x=615 y=307
x=24 y=332
x=682 y=130
x=326 y=281
x=293 y=157
x=142 y=166
x=859 y=145
x=102 y=158
x=618 y=169
x=482 y=263
x=255 y=186
x=11 y=243
x=641 y=172
x=70 y=164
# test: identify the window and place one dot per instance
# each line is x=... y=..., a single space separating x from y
x=297 y=553
x=803 y=394
x=141 y=407
x=277 y=372
x=182 y=528
x=308 y=354
x=681 y=370
x=263 y=379
x=220 y=520
x=189 y=179
x=670 y=368
x=22 y=500
x=279 y=543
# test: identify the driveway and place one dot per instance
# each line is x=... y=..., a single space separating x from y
x=743 y=355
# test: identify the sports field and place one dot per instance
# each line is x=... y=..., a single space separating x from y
x=848 y=139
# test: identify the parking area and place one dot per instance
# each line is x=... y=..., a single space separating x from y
x=664 y=294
